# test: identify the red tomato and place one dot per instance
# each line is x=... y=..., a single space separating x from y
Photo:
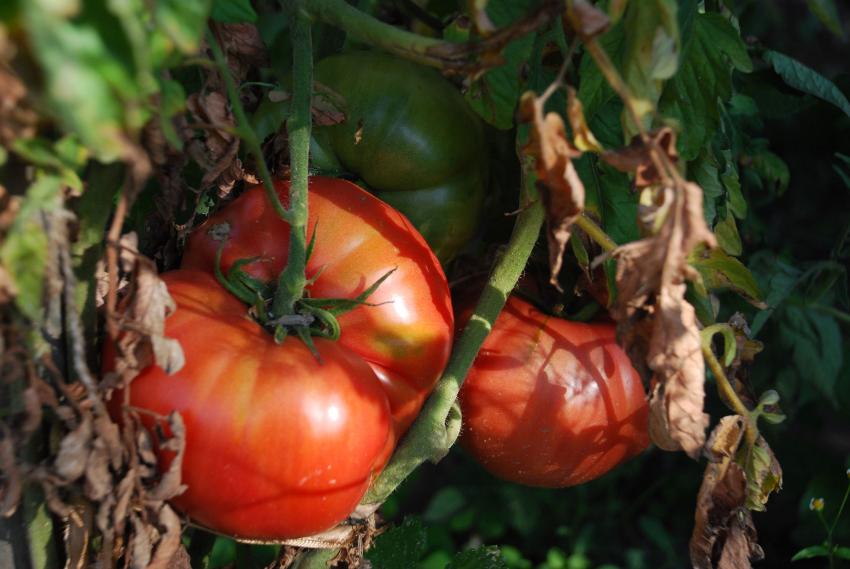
x=406 y=335
x=550 y=402
x=277 y=445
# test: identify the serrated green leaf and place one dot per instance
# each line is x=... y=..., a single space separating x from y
x=719 y=271
x=233 y=11
x=814 y=341
x=609 y=198
x=713 y=49
x=805 y=79
x=24 y=252
x=485 y=557
x=495 y=95
x=401 y=546
x=811 y=552
x=777 y=279
x=593 y=90
x=726 y=232
x=771 y=169
x=183 y=21
x=704 y=171
x=651 y=54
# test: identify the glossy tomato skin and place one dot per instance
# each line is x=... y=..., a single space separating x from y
x=277 y=445
x=552 y=403
x=406 y=332
x=413 y=140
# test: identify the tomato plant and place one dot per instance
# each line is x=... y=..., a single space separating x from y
x=411 y=137
x=278 y=445
x=550 y=402
x=405 y=332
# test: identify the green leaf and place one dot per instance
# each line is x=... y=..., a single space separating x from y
x=811 y=552
x=80 y=78
x=593 y=90
x=495 y=95
x=609 y=198
x=719 y=271
x=726 y=232
x=806 y=79
x=775 y=277
x=842 y=552
x=651 y=54
x=402 y=546
x=814 y=342
x=827 y=13
x=478 y=558
x=764 y=475
x=24 y=252
x=233 y=11
x=172 y=102
x=771 y=169
x=713 y=49
x=183 y=21
x=445 y=503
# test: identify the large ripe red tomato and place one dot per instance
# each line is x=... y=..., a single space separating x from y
x=406 y=334
x=550 y=402
x=277 y=445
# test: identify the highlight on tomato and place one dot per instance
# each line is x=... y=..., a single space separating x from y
x=282 y=442
x=550 y=402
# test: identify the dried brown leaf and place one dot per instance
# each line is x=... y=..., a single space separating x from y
x=141 y=544
x=77 y=536
x=74 y=450
x=98 y=478
x=12 y=486
x=169 y=540
x=586 y=19
x=582 y=135
x=638 y=158
x=561 y=188
x=243 y=47
x=657 y=325
x=169 y=486
x=17 y=118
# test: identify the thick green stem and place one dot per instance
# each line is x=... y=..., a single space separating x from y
x=246 y=133
x=364 y=28
x=727 y=393
x=430 y=437
x=292 y=279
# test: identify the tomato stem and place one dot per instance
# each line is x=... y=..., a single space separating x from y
x=595 y=232
x=728 y=394
x=244 y=130
x=292 y=279
x=437 y=426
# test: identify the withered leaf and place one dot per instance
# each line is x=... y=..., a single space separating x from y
x=98 y=478
x=77 y=536
x=720 y=515
x=11 y=490
x=170 y=486
x=651 y=276
x=561 y=188
x=243 y=47
x=141 y=546
x=169 y=540
x=74 y=450
x=582 y=135
x=586 y=19
x=764 y=475
x=637 y=157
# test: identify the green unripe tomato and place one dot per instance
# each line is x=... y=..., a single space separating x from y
x=410 y=136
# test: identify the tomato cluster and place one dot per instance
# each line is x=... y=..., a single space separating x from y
x=282 y=442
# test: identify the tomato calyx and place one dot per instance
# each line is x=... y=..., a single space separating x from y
x=311 y=317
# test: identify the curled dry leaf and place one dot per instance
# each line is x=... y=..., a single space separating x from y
x=638 y=157
x=586 y=19
x=145 y=309
x=724 y=536
x=74 y=450
x=657 y=325
x=764 y=475
x=243 y=47
x=17 y=119
x=582 y=135
x=169 y=486
x=219 y=154
x=561 y=188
